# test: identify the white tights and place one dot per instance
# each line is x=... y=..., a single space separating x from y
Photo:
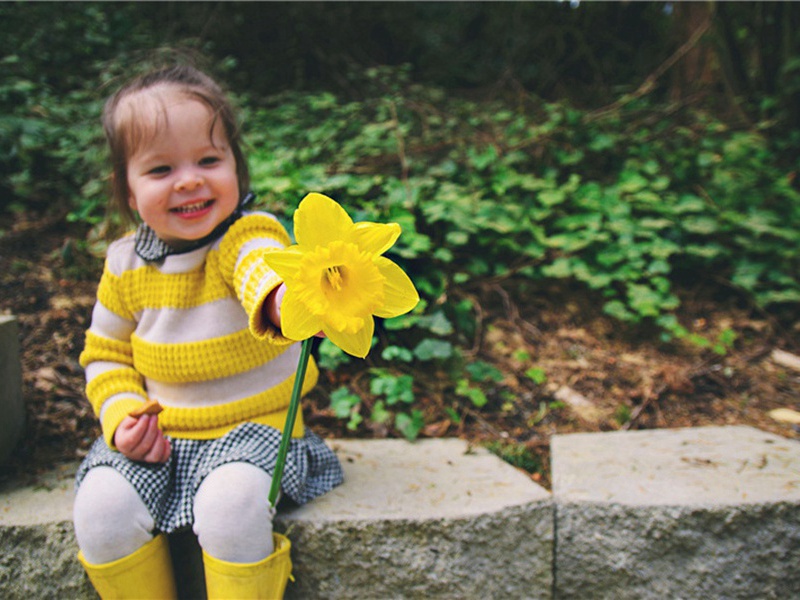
x=232 y=515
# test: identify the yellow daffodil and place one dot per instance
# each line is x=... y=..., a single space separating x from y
x=336 y=279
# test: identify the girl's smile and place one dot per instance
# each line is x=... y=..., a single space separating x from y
x=193 y=210
x=182 y=178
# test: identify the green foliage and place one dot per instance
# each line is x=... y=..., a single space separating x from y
x=545 y=408
x=622 y=414
x=54 y=60
x=345 y=405
x=517 y=455
x=627 y=202
x=395 y=388
x=537 y=375
x=330 y=356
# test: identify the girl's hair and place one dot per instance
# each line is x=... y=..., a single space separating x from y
x=124 y=137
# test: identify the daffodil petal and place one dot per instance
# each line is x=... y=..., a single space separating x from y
x=356 y=344
x=284 y=262
x=297 y=322
x=399 y=293
x=376 y=238
x=315 y=210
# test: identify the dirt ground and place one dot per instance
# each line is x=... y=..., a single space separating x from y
x=594 y=374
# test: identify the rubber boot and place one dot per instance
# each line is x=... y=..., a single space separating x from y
x=147 y=573
x=265 y=580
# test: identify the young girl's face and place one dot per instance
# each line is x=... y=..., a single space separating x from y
x=181 y=178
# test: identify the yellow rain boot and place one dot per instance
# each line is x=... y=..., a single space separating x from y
x=265 y=580
x=147 y=573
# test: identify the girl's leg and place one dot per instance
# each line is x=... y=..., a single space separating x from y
x=115 y=534
x=232 y=515
x=111 y=520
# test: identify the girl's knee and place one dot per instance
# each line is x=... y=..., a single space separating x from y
x=232 y=515
x=235 y=488
x=110 y=518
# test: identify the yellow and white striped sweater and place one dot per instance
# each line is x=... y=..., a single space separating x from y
x=190 y=333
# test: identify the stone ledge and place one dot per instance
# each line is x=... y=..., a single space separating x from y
x=37 y=541
x=708 y=512
x=696 y=513
x=431 y=519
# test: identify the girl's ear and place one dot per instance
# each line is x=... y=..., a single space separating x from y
x=132 y=200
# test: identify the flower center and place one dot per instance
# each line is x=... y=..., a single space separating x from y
x=341 y=284
x=334 y=277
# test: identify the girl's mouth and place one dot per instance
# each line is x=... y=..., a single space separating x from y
x=193 y=209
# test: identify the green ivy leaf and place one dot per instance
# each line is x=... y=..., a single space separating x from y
x=379 y=413
x=396 y=388
x=430 y=349
x=410 y=425
x=397 y=353
x=475 y=395
x=481 y=371
x=346 y=405
x=537 y=375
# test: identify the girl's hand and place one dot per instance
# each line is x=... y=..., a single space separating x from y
x=272 y=307
x=141 y=439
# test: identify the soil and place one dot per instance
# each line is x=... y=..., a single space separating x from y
x=591 y=373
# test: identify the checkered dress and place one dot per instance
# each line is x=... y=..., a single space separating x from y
x=168 y=489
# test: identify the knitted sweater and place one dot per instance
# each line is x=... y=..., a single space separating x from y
x=189 y=332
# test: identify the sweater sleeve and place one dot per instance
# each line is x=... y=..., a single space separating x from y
x=241 y=260
x=113 y=386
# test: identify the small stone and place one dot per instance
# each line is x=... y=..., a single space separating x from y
x=786 y=359
x=579 y=404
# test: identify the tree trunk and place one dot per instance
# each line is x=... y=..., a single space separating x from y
x=696 y=72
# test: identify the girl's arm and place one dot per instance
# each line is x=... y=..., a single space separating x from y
x=113 y=386
x=255 y=284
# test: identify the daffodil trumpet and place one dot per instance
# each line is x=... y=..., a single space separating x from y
x=336 y=281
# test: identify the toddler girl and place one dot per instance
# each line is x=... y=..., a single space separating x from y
x=188 y=314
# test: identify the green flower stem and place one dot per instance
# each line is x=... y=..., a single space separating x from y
x=291 y=416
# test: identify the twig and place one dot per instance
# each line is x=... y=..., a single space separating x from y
x=401 y=148
x=651 y=397
x=513 y=313
x=650 y=82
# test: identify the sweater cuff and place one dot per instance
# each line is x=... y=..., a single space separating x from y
x=113 y=416
x=259 y=325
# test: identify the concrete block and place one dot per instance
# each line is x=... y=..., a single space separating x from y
x=37 y=541
x=12 y=407
x=432 y=519
x=709 y=512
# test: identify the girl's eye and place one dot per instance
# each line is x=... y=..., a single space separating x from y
x=209 y=160
x=159 y=170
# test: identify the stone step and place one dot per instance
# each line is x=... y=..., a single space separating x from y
x=432 y=519
x=708 y=512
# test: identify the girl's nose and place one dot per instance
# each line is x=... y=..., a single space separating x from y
x=188 y=182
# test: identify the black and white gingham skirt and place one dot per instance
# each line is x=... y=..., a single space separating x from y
x=168 y=489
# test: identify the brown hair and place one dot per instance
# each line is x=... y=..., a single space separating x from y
x=123 y=137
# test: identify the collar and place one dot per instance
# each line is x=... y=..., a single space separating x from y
x=151 y=248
